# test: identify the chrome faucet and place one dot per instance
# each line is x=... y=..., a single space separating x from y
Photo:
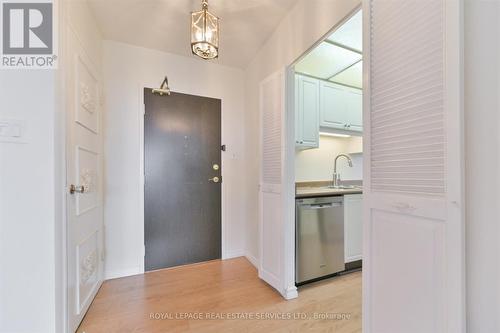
x=336 y=176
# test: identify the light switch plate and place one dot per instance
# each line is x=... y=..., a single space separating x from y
x=12 y=131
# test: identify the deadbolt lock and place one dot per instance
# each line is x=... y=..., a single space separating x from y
x=215 y=179
x=215 y=167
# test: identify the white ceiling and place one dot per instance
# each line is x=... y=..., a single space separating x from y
x=165 y=24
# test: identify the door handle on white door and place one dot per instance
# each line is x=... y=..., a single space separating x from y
x=76 y=189
x=403 y=206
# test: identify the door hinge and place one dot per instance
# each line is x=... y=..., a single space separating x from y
x=144 y=250
x=223 y=147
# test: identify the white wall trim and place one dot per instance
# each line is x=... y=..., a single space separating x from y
x=354 y=258
x=62 y=319
x=271 y=279
x=366 y=227
x=114 y=274
x=455 y=161
x=290 y=290
x=290 y=293
x=142 y=179
x=233 y=254
x=253 y=260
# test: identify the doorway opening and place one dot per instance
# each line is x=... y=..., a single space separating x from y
x=327 y=106
x=412 y=215
x=182 y=180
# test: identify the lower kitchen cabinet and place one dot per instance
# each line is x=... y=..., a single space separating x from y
x=353 y=227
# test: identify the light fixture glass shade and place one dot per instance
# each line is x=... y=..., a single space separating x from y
x=205 y=33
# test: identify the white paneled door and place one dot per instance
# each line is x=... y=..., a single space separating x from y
x=413 y=269
x=84 y=171
x=276 y=224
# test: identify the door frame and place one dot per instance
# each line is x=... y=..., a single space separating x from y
x=289 y=162
x=140 y=114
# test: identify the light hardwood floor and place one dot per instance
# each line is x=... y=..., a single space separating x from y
x=220 y=288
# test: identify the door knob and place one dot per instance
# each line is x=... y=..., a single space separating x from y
x=215 y=179
x=76 y=189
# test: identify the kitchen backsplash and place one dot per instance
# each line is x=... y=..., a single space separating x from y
x=317 y=164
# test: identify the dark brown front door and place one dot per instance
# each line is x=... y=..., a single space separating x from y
x=182 y=200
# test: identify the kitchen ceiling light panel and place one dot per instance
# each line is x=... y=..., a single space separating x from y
x=350 y=33
x=327 y=60
x=353 y=76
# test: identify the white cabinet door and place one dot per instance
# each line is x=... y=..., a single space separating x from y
x=354 y=105
x=307 y=112
x=333 y=106
x=276 y=191
x=413 y=250
x=353 y=227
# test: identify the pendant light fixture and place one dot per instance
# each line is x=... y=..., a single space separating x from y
x=205 y=33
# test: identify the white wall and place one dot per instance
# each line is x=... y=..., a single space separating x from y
x=301 y=28
x=27 y=204
x=317 y=164
x=32 y=195
x=127 y=69
x=482 y=121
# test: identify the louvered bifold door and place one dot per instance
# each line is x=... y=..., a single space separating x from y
x=272 y=106
x=413 y=221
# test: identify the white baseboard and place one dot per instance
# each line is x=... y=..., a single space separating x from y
x=254 y=261
x=272 y=280
x=233 y=254
x=354 y=258
x=118 y=273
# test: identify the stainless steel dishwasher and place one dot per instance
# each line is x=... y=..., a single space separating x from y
x=319 y=240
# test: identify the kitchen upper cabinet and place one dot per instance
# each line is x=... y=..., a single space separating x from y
x=354 y=106
x=353 y=227
x=341 y=107
x=306 y=112
x=333 y=109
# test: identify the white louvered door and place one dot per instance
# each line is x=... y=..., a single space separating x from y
x=413 y=274
x=272 y=106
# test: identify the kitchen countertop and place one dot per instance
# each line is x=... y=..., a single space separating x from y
x=321 y=189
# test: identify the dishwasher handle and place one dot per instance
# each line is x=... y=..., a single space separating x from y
x=322 y=205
